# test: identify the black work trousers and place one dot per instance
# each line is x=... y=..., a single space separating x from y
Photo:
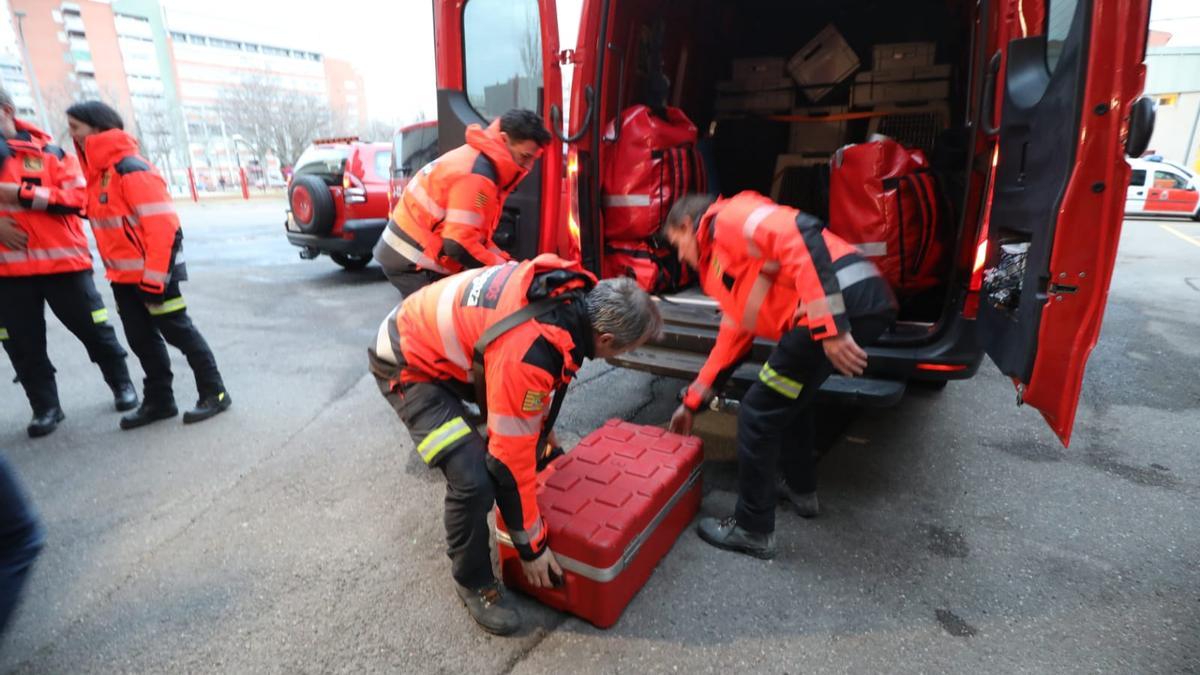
x=409 y=282
x=73 y=298
x=438 y=422
x=148 y=324
x=20 y=542
x=776 y=417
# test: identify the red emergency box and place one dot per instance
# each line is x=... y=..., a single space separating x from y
x=614 y=506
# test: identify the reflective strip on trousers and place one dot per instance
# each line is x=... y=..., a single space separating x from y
x=468 y=218
x=153 y=209
x=124 y=264
x=751 y=226
x=3 y=333
x=43 y=254
x=383 y=339
x=410 y=252
x=172 y=305
x=852 y=274
x=41 y=198
x=511 y=425
x=526 y=537
x=100 y=315
x=781 y=384
x=614 y=201
x=154 y=275
x=754 y=301
x=417 y=191
x=445 y=322
x=442 y=437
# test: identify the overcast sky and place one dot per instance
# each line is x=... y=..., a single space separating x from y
x=391 y=43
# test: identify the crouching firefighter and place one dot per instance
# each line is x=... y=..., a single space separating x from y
x=445 y=220
x=777 y=274
x=508 y=337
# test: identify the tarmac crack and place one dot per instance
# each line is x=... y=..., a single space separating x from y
x=523 y=653
x=48 y=648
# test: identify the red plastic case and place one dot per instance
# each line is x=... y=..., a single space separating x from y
x=614 y=506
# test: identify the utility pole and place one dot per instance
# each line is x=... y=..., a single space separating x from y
x=37 y=90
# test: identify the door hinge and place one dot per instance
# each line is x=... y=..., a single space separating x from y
x=568 y=57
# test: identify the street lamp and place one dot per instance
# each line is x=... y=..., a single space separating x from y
x=37 y=91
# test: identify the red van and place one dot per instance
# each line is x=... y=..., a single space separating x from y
x=413 y=147
x=1042 y=103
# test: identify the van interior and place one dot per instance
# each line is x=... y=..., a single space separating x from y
x=686 y=52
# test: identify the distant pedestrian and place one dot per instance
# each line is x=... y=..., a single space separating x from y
x=44 y=260
x=140 y=240
x=20 y=542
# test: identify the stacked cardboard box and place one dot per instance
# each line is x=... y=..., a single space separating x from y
x=904 y=72
x=759 y=85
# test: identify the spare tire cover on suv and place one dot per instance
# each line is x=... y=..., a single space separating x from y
x=311 y=204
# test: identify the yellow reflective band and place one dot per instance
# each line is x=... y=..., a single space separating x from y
x=442 y=438
x=100 y=315
x=3 y=333
x=172 y=305
x=784 y=386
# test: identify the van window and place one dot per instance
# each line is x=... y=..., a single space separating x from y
x=383 y=165
x=1059 y=14
x=1137 y=177
x=414 y=149
x=328 y=163
x=1169 y=181
x=503 y=55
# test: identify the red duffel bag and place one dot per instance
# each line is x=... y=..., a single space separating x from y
x=652 y=163
x=656 y=268
x=884 y=200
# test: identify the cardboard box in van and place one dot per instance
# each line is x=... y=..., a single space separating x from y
x=904 y=55
x=817 y=138
x=825 y=61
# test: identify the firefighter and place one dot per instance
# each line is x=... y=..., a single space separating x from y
x=776 y=274
x=508 y=337
x=138 y=234
x=44 y=260
x=444 y=221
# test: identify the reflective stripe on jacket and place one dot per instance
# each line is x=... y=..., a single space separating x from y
x=131 y=212
x=761 y=261
x=433 y=334
x=446 y=217
x=51 y=195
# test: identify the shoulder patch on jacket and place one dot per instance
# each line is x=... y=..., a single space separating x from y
x=484 y=167
x=131 y=165
x=54 y=150
x=543 y=355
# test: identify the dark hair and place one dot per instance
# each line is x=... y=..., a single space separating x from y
x=524 y=125
x=687 y=205
x=96 y=114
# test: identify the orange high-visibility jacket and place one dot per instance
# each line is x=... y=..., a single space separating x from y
x=51 y=195
x=760 y=261
x=446 y=217
x=131 y=212
x=433 y=335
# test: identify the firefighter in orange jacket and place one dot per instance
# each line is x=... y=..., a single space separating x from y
x=445 y=220
x=543 y=318
x=138 y=234
x=44 y=259
x=776 y=274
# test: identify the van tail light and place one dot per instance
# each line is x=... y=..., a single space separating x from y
x=575 y=250
x=941 y=367
x=354 y=192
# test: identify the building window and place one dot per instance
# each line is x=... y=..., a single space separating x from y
x=1167 y=100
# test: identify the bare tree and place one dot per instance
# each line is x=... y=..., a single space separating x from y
x=378 y=130
x=272 y=118
x=159 y=134
x=531 y=48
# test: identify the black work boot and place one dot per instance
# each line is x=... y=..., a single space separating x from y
x=727 y=534
x=44 y=423
x=490 y=608
x=124 y=396
x=207 y=407
x=150 y=411
x=805 y=504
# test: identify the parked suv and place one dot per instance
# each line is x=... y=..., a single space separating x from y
x=338 y=200
x=413 y=147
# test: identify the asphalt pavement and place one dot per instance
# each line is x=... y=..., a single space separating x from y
x=300 y=533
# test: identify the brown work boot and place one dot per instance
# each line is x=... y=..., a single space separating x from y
x=490 y=608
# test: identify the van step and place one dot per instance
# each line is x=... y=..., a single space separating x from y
x=864 y=391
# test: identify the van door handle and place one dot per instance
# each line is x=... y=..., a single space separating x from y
x=988 y=114
x=1140 y=193
x=556 y=116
